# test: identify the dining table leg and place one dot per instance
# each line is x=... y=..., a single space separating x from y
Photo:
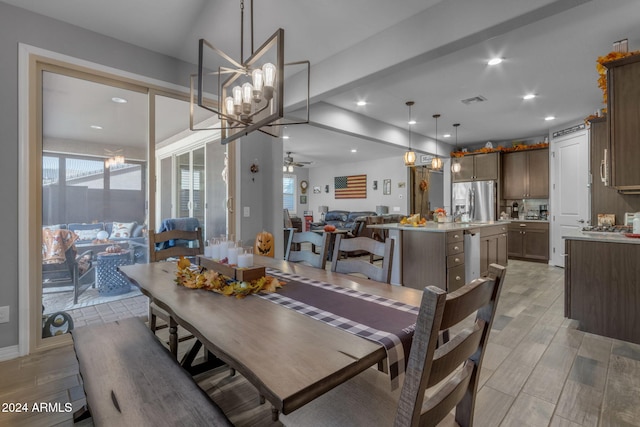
x=173 y=337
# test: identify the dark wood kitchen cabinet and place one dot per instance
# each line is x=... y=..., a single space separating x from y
x=623 y=106
x=477 y=167
x=604 y=198
x=525 y=174
x=601 y=287
x=493 y=247
x=529 y=241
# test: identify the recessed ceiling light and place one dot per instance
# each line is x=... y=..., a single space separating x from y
x=119 y=100
x=446 y=135
x=529 y=96
x=353 y=150
x=550 y=118
x=412 y=122
x=494 y=61
x=361 y=103
x=285 y=136
x=96 y=127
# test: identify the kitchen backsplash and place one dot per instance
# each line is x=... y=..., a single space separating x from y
x=527 y=208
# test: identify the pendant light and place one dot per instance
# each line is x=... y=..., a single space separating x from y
x=455 y=164
x=436 y=162
x=410 y=156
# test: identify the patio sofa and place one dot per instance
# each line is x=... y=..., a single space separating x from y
x=132 y=233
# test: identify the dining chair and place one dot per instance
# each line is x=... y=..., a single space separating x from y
x=367 y=244
x=186 y=243
x=320 y=241
x=378 y=234
x=437 y=379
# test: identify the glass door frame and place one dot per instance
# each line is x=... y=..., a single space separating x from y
x=32 y=62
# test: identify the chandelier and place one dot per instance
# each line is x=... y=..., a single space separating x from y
x=250 y=92
x=410 y=156
x=115 y=159
x=455 y=164
x=436 y=162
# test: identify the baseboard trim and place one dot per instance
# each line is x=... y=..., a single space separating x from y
x=7 y=353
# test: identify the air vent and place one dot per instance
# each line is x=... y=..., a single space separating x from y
x=474 y=100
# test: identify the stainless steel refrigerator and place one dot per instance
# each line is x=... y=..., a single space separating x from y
x=476 y=199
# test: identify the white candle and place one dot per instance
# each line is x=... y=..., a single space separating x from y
x=244 y=261
x=215 y=251
x=232 y=254
x=223 y=250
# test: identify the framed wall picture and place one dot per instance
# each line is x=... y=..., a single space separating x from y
x=316 y=190
x=303 y=199
x=386 y=187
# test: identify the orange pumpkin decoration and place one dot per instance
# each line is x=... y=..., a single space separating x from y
x=264 y=244
x=329 y=227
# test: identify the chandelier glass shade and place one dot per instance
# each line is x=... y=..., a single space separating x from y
x=113 y=161
x=436 y=162
x=410 y=155
x=455 y=164
x=250 y=92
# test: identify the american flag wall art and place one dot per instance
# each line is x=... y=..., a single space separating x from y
x=351 y=187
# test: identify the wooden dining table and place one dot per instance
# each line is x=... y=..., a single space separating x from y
x=289 y=357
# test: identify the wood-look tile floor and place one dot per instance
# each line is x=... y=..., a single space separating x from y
x=539 y=370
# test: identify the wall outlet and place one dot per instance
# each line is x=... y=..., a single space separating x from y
x=396 y=208
x=4 y=314
x=246 y=211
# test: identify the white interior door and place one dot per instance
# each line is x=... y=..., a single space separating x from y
x=570 y=190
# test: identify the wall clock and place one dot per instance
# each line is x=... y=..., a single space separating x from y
x=303 y=186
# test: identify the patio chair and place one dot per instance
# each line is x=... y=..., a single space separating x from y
x=369 y=246
x=159 y=252
x=321 y=241
x=62 y=267
x=436 y=380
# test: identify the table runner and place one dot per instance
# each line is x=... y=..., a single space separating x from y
x=382 y=320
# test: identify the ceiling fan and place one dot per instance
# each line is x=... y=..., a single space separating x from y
x=288 y=161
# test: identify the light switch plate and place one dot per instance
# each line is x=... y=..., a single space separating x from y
x=246 y=211
x=396 y=208
x=4 y=314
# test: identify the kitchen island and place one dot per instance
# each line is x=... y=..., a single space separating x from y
x=446 y=255
x=602 y=284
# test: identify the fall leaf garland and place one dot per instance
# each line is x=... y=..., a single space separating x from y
x=602 y=70
x=213 y=281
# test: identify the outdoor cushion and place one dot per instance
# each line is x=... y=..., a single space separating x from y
x=120 y=230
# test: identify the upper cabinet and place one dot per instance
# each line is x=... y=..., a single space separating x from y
x=477 y=167
x=525 y=174
x=623 y=85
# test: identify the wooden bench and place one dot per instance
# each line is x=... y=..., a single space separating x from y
x=131 y=379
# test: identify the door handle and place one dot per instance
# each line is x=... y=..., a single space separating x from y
x=230 y=204
x=581 y=221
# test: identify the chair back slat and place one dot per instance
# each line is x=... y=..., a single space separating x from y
x=453 y=353
x=466 y=300
x=380 y=274
x=429 y=367
x=175 y=251
x=321 y=242
x=442 y=402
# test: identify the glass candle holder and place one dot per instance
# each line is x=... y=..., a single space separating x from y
x=245 y=260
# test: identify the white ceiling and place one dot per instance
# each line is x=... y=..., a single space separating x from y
x=550 y=51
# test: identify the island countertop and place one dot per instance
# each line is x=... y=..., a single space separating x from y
x=438 y=227
x=595 y=236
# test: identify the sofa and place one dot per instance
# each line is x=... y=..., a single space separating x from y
x=352 y=221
